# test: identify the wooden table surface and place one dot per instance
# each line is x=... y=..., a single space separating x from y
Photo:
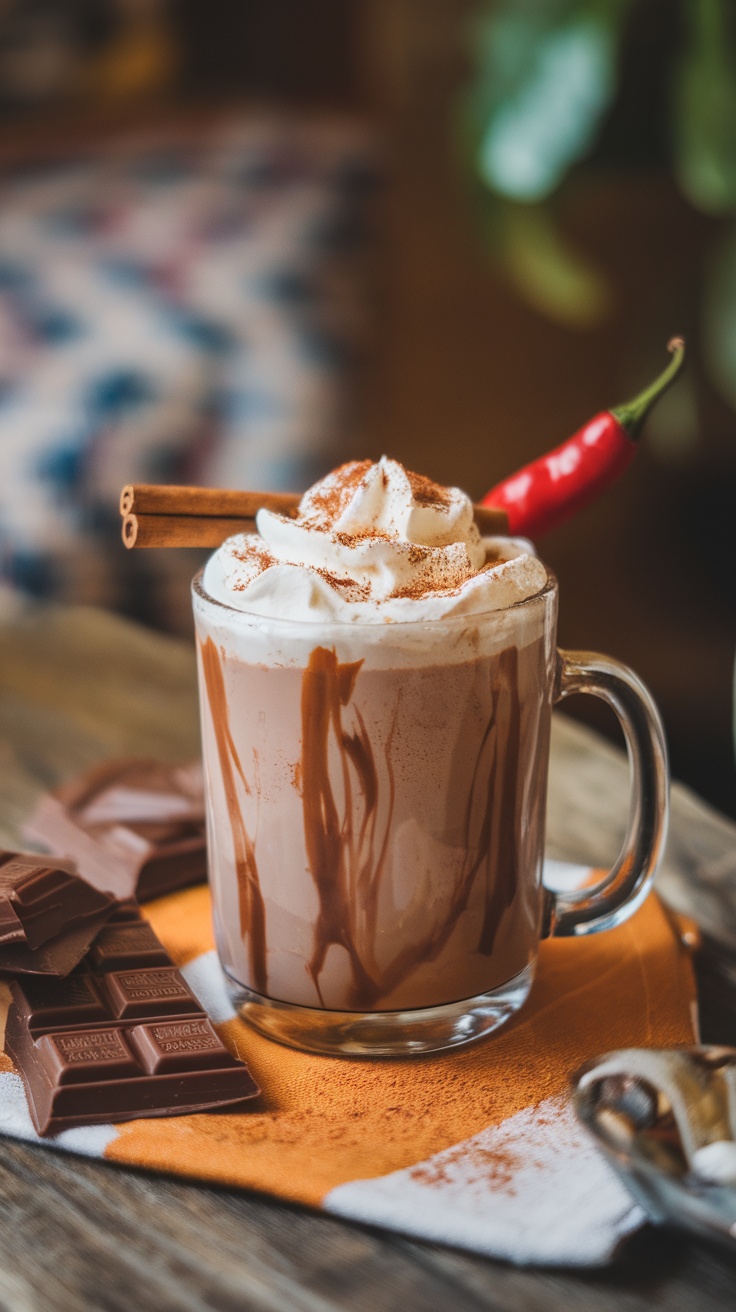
x=82 y=1235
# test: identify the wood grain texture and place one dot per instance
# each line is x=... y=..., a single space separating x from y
x=80 y=1236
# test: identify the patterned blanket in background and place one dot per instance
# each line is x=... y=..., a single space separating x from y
x=177 y=307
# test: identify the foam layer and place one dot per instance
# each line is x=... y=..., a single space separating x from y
x=372 y=543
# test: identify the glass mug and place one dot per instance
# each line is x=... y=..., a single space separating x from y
x=375 y=801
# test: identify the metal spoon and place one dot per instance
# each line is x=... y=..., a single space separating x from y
x=666 y=1121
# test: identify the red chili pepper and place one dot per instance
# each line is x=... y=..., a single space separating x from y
x=547 y=491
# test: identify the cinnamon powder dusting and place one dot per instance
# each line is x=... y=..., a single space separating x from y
x=371 y=534
x=348 y=589
x=328 y=500
x=495 y=1167
x=255 y=551
x=427 y=493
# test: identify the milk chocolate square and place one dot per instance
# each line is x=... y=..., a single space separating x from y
x=119 y=946
x=75 y=1057
x=136 y=994
x=178 y=1046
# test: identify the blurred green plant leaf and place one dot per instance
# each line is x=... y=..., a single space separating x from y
x=553 y=276
x=544 y=77
x=719 y=316
x=705 y=107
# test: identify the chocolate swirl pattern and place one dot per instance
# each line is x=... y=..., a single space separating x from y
x=345 y=848
x=250 y=898
x=415 y=830
x=349 y=858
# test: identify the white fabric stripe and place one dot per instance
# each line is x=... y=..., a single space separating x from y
x=205 y=978
x=15 y=1120
x=533 y=1190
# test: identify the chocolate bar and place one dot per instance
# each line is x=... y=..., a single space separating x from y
x=48 y=915
x=122 y=1037
x=133 y=827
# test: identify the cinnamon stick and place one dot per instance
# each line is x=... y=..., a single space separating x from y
x=160 y=516
x=491 y=520
x=181 y=530
x=223 y=502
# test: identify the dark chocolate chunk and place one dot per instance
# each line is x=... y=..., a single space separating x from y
x=133 y=944
x=59 y=956
x=57 y=1004
x=134 y=828
x=40 y=897
x=126 y=911
x=119 y=1039
x=28 y=889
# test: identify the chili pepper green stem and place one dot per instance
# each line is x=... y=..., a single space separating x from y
x=631 y=414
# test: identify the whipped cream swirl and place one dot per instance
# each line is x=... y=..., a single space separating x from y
x=373 y=542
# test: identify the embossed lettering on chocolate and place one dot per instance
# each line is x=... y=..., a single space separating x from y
x=123 y=1038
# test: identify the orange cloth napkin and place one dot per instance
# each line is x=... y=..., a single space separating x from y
x=359 y=1136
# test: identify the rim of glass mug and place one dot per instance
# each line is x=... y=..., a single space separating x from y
x=405 y=639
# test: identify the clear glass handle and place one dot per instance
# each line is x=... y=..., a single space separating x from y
x=608 y=903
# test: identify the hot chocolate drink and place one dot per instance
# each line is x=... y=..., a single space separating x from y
x=376 y=833
x=376 y=689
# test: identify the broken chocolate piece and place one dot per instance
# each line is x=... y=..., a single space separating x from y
x=134 y=828
x=121 y=1038
x=47 y=914
x=59 y=956
x=40 y=896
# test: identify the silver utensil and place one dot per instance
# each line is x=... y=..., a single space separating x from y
x=666 y=1121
